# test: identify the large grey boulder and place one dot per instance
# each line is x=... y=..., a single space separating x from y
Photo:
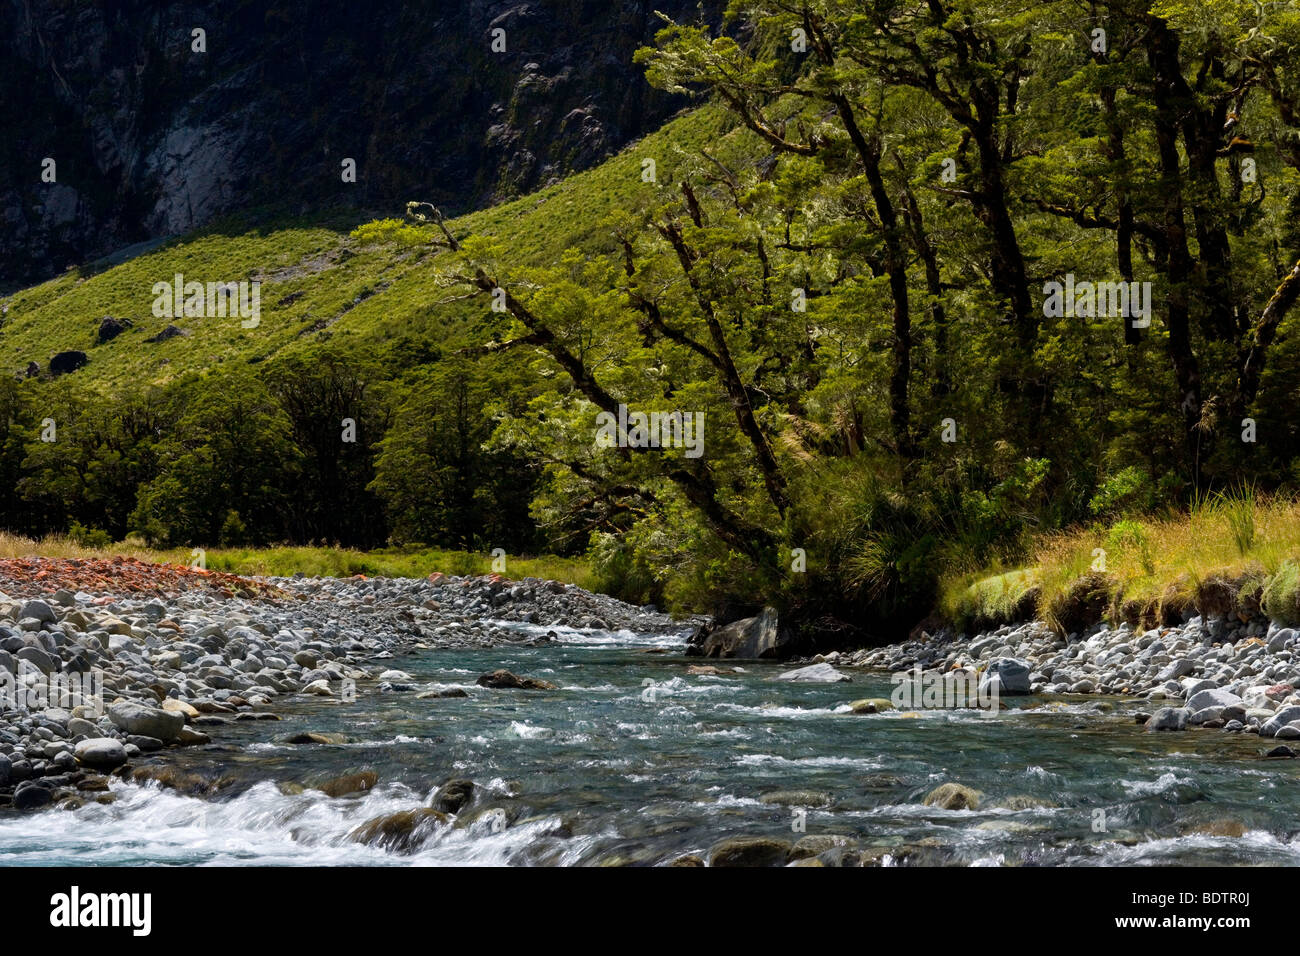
x=1207 y=705
x=144 y=721
x=37 y=658
x=1006 y=675
x=39 y=610
x=1279 y=720
x=753 y=638
x=1168 y=718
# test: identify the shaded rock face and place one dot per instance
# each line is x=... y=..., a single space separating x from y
x=752 y=638
x=151 y=138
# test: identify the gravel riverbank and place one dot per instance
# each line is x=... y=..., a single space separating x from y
x=104 y=663
x=1215 y=673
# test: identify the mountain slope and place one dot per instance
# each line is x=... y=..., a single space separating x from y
x=317 y=281
x=152 y=138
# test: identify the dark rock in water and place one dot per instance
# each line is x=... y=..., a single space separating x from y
x=173 y=778
x=352 y=783
x=6 y=770
x=504 y=680
x=752 y=638
x=170 y=332
x=69 y=361
x=110 y=328
x=1281 y=751
x=796 y=798
x=316 y=737
x=815 y=845
x=401 y=832
x=1168 y=718
x=453 y=796
x=690 y=859
x=750 y=851
x=438 y=694
x=31 y=796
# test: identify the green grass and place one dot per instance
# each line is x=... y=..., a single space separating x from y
x=1231 y=552
x=318 y=281
x=316 y=562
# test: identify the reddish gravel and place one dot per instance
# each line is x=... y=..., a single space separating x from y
x=123 y=575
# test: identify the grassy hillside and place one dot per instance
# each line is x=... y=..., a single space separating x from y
x=316 y=280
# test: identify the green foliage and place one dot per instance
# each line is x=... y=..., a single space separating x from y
x=95 y=538
x=1128 y=491
x=841 y=263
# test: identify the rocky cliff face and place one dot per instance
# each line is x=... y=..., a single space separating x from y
x=150 y=137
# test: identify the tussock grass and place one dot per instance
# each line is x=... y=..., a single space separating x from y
x=314 y=562
x=1230 y=552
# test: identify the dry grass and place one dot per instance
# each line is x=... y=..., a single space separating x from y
x=314 y=562
x=1230 y=553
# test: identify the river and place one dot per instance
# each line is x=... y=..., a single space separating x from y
x=633 y=760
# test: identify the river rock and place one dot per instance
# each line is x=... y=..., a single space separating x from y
x=1168 y=718
x=401 y=832
x=38 y=610
x=953 y=796
x=1277 y=721
x=37 y=658
x=749 y=851
x=1217 y=697
x=180 y=707
x=1008 y=674
x=31 y=796
x=796 y=798
x=101 y=753
x=316 y=737
x=139 y=719
x=870 y=705
x=752 y=638
x=815 y=674
x=817 y=844
x=352 y=783
x=504 y=680
x=453 y=796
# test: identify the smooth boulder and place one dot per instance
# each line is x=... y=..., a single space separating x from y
x=101 y=753
x=144 y=721
x=815 y=674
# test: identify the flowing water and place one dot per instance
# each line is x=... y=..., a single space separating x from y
x=633 y=760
